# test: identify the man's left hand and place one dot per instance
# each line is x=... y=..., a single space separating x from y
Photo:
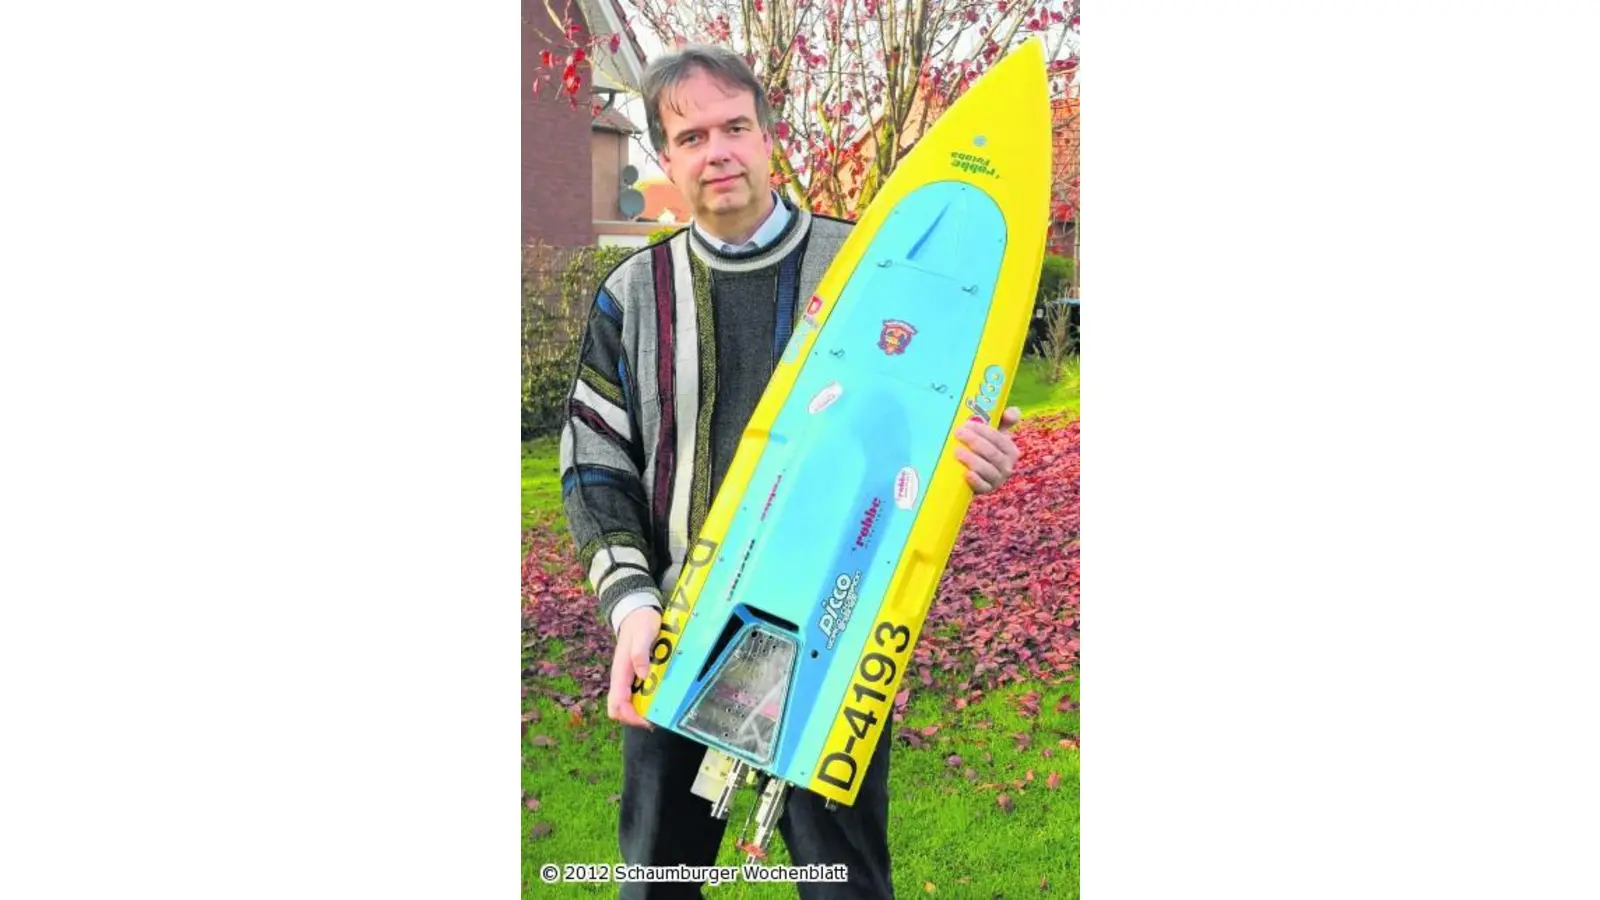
x=990 y=454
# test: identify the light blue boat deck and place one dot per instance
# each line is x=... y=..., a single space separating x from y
x=828 y=505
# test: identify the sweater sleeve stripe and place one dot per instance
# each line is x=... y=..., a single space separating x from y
x=605 y=561
x=597 y=437
x=589 y=441
x=610 y=576
x=608 y=306
x=599 y=477
x=614 y=540
x=603 y=385
x=627 y=581
x=600 y=413
x=625 y=384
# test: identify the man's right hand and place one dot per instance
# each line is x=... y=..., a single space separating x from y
x=632 y=660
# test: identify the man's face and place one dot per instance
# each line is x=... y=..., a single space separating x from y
x=716 y=153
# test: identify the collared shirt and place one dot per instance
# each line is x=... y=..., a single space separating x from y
x=766 y=234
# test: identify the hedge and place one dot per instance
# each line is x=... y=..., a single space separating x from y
x=558 y=288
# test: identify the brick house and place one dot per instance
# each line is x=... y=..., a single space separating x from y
x=1064 y=192
x=560 y=205
x=613 y=133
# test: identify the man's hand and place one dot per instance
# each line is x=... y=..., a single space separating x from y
x=632 y=660
x=992 y=456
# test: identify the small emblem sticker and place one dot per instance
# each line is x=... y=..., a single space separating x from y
x=905 y=488
x=825 y=398
x=896 y=336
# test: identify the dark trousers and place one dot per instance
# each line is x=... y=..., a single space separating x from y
x=664 y=824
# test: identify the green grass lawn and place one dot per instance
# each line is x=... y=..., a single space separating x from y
x=1037 y=397
x=541 y=484
x=946 y=828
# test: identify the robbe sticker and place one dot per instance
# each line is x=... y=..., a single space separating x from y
x=825 y=398
x=905 y=488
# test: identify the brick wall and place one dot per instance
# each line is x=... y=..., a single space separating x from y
x=1063 y=194
x=557 y=194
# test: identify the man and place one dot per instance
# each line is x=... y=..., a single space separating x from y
x=683 y=337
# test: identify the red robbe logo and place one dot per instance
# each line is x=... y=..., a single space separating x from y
x=896 y=336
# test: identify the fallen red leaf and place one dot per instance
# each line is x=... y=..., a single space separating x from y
x=1028 y=704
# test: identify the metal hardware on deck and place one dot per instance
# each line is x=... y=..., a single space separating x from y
x=768 y=812
x=735 y=780
x=713 y=774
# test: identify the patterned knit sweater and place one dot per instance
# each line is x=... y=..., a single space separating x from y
x=679 y=346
